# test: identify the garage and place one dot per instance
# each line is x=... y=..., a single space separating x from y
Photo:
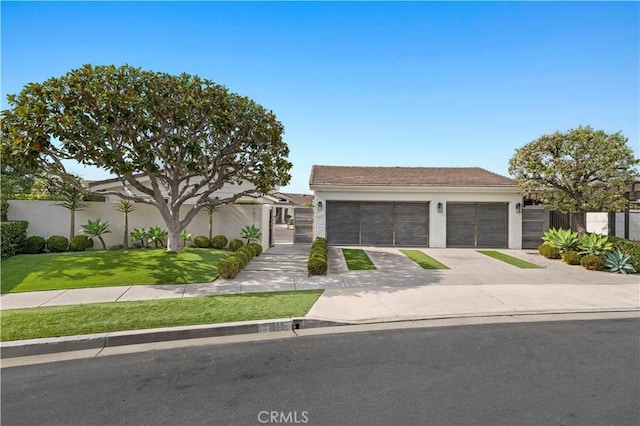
x=478 y=225
x=377 y=223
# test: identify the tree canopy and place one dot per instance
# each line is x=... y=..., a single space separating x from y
x=577 y=171
x=178 y=134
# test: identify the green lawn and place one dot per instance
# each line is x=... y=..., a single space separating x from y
x=424 y=260
x=53 y=271
x=357 y=260
x=55 y=321
x=509 y=259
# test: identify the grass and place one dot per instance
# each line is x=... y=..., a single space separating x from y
x=424 y=260
x=509 y=259
x=56 y=321
x=54 y=271
x=357 y=260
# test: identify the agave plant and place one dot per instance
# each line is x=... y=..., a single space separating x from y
x=157 y=235
x=140 y=234
x=251 y=233
x=96 y=228
x=595 y=244
x=562 y=239
x=619 y=262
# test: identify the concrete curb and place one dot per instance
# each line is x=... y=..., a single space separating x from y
x=19 y=348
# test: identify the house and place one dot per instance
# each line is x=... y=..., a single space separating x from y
x=416 y=206
x=286 y=202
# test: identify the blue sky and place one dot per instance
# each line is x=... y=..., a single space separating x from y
x=359 y=83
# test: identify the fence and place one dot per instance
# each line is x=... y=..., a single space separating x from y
x=46 y=218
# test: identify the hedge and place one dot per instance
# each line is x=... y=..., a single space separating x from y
x=12 y=236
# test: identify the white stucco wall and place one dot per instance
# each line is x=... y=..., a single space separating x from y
x=598 y=223
x=437 y=221
x=46 y=218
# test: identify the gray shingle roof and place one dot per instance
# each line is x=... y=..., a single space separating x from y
x=406 y=176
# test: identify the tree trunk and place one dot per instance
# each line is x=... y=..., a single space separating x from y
x=581 y=226
x=174 y=242
x=104 y=246
x=73 y=224
x=126 y=231
x=210 y=226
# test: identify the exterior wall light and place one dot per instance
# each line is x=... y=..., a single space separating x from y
x=439 y=207
x=518 y=207
x=319 y=206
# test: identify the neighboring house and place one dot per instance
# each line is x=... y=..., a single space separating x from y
x=416 y=206
x=285 y=203
x=227 y=190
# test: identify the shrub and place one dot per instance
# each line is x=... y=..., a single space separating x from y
x=595 y=244
x=548 y=251
x=201 y=241
x=592 y=262
x=80 y=243
x=12 y=237
x=219 y=242
x=630 y=248
x=317 y=266
x=229 y=268
x=248 y=251
x=243 y=257
x=619 y=262
x=562 y=239
x=33 y=245
x=4 y=210
x=317 y=263
x=251 y=234
x=57 y=243
x=235 y=244
x=572 y=257
x=251 y=248
x=257 y=248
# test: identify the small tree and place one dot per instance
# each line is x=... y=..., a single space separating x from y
x=140 y=234
x=577 y=171
x=251 y=233
x=96 y=228
x=210 y=208
x=73 y=200
x=156 y=235
x=126 y=207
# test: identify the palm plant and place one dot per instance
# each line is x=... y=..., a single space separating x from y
x=126 y=207
x=595 y=244
x=562 y=239
x=140 y=234
x=157 y=235
x=185 y=236
x=96 y=228
x=210 y=208
x=251 y=233
x=73 y=200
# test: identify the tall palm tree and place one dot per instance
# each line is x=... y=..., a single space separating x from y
x=96 y=228
x=210 y=208
x=126 y=207
x=73 y=200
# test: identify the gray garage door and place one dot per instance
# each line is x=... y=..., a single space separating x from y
x=377 y=223
x=478 y=225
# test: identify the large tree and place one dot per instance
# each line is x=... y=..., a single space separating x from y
x=575 y=172
x=179 y=137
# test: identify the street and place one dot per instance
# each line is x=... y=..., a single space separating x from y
x=566 y=373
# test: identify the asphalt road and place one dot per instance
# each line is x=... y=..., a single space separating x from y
x=574 y=373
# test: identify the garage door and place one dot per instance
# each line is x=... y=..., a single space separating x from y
x=377 y=223
x=477 y=225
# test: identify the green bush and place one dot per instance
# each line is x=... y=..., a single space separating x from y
x=201 y=241
x=571 y=257
x=595 y=244
x=252 y=249
x=4 y=210
x=219 y=242
x=248 y=251
x=229 y=268
x=562 y=239
x=12 y=237
x=548 y=251
x=257 y=248
x=33 y=245
x=57 y=243
x=235 y=244
x=80 y=243
x=317 y=266
x=592 y=262
x=243 y=257
x=630 y=248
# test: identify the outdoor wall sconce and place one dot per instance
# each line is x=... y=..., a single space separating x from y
x=518 y=207
x=319 y=206
x=439 y=207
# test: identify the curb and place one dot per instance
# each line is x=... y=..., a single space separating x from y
x=20 y=348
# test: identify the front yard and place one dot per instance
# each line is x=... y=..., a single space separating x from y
x=56 y=271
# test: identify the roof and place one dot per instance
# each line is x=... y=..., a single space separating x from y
x=295 y=199
x=407 y=176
